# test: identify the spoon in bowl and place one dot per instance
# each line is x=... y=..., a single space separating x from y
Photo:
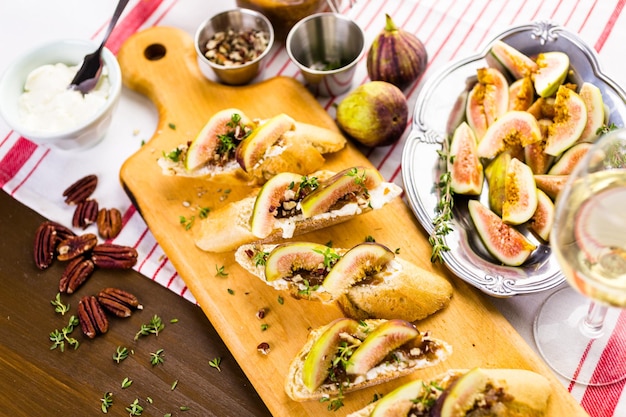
x=89 y=73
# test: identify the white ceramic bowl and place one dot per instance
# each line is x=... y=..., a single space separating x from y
x=69 y=52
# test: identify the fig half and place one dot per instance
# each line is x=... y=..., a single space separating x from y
x=542 y=220
x=570 y=120
x=515 y=128
x=351 y=180
x=496 y=177
x=503 y=241
x=379 y=343
x=253 y=147
x=361 y=260
x=400 y=401
x=289 y=258
x=592 y=96
x=271 y=196
x=466 y=171
x=319 y=359
x=223 y=123
x=516 y=62
x=487 y=100
x=551 y=73
x=520 y=193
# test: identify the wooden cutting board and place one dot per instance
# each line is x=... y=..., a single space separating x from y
x=160 y=62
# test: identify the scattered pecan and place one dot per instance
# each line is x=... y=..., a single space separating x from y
x=75 y=246
x=112 y=256
x=45 y=245
x=86 y=213
x=261 y=313
x=75 y=274
x=62 y=232
x=109 y=222
x=118 y=302
x=80 y=190
x=263 y=348
x=92 y=319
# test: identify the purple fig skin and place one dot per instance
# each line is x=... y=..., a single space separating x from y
x=396 y=56
x=374 y=114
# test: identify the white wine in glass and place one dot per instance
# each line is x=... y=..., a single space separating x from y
x=589 y=241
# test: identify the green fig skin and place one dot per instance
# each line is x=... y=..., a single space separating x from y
x=318 y=361
x=374 y=114
x=396 y=56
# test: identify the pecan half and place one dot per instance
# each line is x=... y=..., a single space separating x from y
x=75 y=274
x=118 y=302
x=75 y=246
x=263 y=348
x=109 y=222
x=112 y=256
x=62 y=232
x=80 y=190
x=92 y=319
x=86 y=213
x=45 y=245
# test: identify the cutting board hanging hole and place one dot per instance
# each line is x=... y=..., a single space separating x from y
x=155 y=52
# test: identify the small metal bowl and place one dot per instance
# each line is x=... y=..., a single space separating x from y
x=326 y=47
x=237 y=20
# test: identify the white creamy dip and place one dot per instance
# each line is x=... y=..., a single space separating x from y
x=47 y=105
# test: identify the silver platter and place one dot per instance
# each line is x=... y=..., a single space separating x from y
x=468 y=258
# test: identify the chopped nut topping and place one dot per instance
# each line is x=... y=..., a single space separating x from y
x=233 y=48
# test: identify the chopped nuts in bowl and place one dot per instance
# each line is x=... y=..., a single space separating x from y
x=233 y=45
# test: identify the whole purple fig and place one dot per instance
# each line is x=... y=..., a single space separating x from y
x=396 y=56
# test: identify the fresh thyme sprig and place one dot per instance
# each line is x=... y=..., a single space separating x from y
x=215 y=363
x=59 y=307
x=443 y=215
x=120 y=354
x=60 y=337
x=154 y=327
x=156 y=358
x=107 y=402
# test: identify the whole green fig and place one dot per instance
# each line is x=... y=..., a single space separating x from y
x=396 y=56
x=374 y=114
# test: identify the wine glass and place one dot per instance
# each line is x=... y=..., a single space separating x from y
x=589 y=241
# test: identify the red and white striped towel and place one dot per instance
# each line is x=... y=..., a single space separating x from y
x=450 y=30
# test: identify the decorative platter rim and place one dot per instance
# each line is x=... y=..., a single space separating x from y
x=467 y=257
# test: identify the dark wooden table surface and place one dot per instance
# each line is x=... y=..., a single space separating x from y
x=38 y=381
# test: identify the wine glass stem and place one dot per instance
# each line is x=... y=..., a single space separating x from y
x=592 y=324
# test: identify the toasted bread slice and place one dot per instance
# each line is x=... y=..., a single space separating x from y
x=400 y=289
x=285 y=145
x=229 y=227
x=494 y=392
x=432 y=352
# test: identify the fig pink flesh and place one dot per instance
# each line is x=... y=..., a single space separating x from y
x=503 y=241
x=270 y=196
x=290 y=257
x=514 y=128
x=466 y=170
x=341 y=184
x=378 y=344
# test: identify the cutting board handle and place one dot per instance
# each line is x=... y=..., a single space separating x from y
x=161 y=63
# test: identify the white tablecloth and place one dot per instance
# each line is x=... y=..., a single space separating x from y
x=450 y=29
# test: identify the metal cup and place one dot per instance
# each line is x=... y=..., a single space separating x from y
x=326 y=47
x=236 y=19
